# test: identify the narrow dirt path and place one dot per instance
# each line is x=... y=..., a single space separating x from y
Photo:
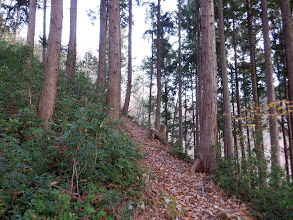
x=173 y=190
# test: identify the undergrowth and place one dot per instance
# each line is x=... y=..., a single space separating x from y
x=270 y=200
x=82 y=168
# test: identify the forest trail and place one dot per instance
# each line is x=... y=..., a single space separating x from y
x=175 y=192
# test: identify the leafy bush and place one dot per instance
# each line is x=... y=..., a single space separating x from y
x=273 y=201
x=83 y=167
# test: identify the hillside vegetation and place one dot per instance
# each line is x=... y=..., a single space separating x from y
x=83 y=166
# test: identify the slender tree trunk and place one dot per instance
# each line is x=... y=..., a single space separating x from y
x=258 y=131
x=238 y=94
x=165 y=99
x=44 y=31
x=274 y=134
x=206 y=159
x=235 y=128
x=114 y=84
x=185 y=120
x=17 y=23
x=129 y=83
x=285 y=144
x=101 y=80
x=288 y=34
x=247 y=130
x=199 y=80
x=227 y=105
x=71 y=54
x=159 y=86
x=31 y=24
x=151 y=82
x=180 y=78
x=49 y=88
x=193 y=116
x=289 y=122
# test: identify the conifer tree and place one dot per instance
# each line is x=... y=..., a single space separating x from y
x=274 y=134
x=206 y=158
x=49 y=88
x=31 y=23
x=180 y=77
x=228 y=140
x=159 y=86
x=114 y=83
x=101 y=80
x=71 y=53
x=129 y=82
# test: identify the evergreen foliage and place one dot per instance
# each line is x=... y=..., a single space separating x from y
x=81 y=167
x=271 y=202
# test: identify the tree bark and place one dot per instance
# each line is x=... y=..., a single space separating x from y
x=49 y=88
x=151 y=82
x=101 y=80
x=206 y=159
x=31 y=24
x=274 y=133
x=288 y=34
x=129 y=83
x=17 y=23
x=193 y=116
x=234 y=129
x=180 y=78
x=229 y=142
x=71 y=54
x=114 y=84
x=238 y=94
x=199 y=80
x=257 y=122
x=44 y=31
x=289 y=122
x=159 y=86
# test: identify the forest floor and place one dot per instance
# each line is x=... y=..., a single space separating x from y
x=174 y=191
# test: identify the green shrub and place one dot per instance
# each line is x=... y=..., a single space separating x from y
x=273 y=201
x=81 y=168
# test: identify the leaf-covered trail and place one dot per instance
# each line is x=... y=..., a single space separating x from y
x=173 y=190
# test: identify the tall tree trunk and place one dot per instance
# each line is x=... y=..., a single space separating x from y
x=17 y=23
x=193 y=115
x=44 y=31
x=206 y=159
x=290 y=136
x=31 y=24
x=159 y=86
x=180 y=77
x=235 y=127
x=238 y=94
x=71 y=54
x=49 y=88
x=101 y=80
x=288 y=34
x=185 y=120
x=114 y=84
x=285 y=143
x=151 y=82
x=129 y=83
x=247 y=129
x=229 y=142
x=199 y=80
x=258 y=131
x=274 y=134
